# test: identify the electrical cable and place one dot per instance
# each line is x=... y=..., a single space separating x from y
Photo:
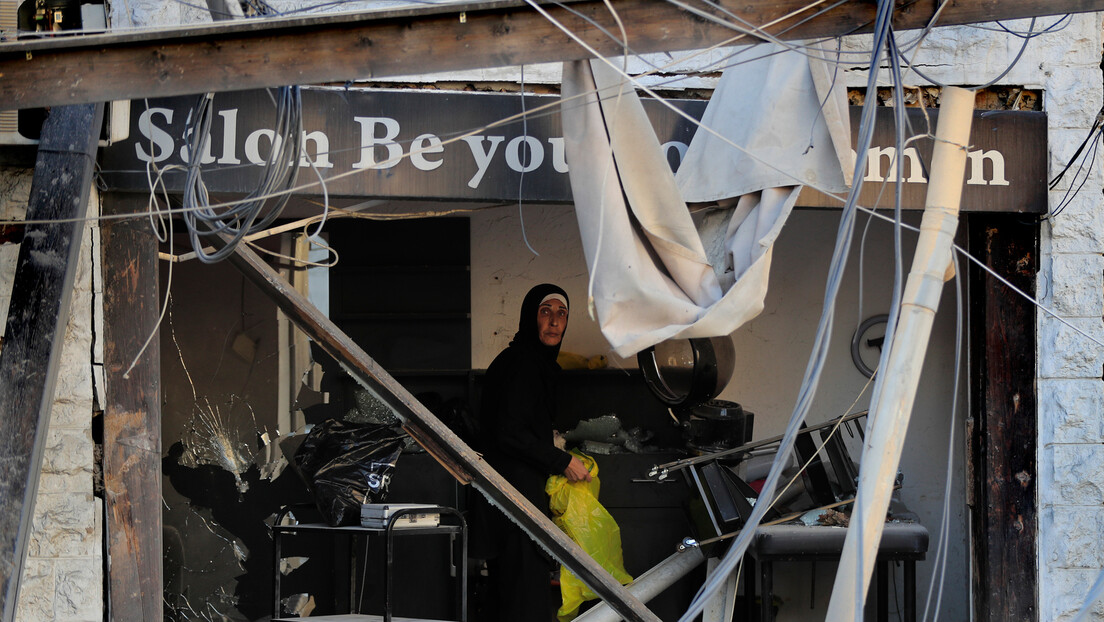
x=819 y=354
x=1096 y=127
x=1011 y=65
x=163 y=232
x=1058 y=26
x=521 y=175
x=253 y=214
x=1092 y=141
x=513 y=118
x=1015 y=61
x=993 y=273
x=1094 y=595
x=944 y=526
x=1072 y=192
x=164 y=306
x=857 y=522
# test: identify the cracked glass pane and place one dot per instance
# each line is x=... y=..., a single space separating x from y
x=225 y=419
x=242 y=388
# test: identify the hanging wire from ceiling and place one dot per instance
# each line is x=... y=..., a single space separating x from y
x=1027 y=37
x=256 y=211
x=978 y=263
x=552 y=107
x=944 y=534
x=524 y=149
x=818 y=355
x=546 y=109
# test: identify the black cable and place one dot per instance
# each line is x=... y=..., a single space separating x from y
x=1096 y=128
x=255 y=213
x=1068 y=197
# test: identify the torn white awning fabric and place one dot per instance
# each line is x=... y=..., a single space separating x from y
x=655 y=273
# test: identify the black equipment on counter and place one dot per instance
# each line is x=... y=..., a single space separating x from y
x=687 y=375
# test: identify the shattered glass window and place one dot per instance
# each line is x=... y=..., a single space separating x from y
x=242 y=388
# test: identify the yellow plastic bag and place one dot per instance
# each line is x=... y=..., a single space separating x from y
x=575 y=509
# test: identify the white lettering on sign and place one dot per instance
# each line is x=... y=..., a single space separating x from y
x=321 y=144
x=380 y=147
x=482 y=156
x=369 y=141
x=229 y=137
x=679 y=147
x=513 y=154
x=159 y=140
x=422 y=146
x=914 y=172
x=253 y=146
x=977 y=168
x=559 y=154
x=185 y=152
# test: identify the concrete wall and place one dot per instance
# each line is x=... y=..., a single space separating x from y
x=63 y=573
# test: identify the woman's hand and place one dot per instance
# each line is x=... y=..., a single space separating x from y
x=576 y=471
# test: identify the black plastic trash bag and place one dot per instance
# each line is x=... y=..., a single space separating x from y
x=347 y=465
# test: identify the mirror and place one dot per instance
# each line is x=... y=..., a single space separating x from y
x=688 y=372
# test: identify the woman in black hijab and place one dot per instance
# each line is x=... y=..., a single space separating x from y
x=516 y=432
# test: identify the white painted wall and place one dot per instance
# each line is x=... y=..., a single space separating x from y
x=63 y=572
x=772 y=352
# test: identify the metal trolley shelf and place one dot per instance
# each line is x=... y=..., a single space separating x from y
x=389 y=532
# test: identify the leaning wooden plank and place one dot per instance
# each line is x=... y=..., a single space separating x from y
x=464 y=463
x=245 y=54
x=132 y=418
x=1002 y=448
x=35 y=328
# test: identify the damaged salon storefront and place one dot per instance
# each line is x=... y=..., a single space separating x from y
x=441 y=210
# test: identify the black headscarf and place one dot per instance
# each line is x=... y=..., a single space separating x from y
x=527 y=335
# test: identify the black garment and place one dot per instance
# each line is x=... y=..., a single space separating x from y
x=516 y=439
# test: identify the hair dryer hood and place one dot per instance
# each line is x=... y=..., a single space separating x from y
x=687 y=372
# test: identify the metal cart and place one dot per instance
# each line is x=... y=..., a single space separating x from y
x=458 y=527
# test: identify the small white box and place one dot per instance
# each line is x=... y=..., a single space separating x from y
x=378 y=514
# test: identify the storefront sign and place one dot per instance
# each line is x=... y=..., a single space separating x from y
x=465 y=146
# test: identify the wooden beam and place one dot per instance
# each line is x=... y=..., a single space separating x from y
x=1004 y=430
x=245 y=54
x=35 y=327
x=132 y=416
x=460 y=460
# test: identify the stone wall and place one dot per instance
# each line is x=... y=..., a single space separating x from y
x=63 y=573
x=1071 y=393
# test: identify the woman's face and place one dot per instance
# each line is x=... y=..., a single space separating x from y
x=551 y=322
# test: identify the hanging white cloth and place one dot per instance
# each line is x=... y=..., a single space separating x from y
x=653 y=277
